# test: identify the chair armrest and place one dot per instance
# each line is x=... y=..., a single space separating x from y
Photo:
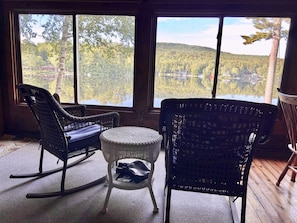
x=76 y=110
x=69 y=121
x=106 y=120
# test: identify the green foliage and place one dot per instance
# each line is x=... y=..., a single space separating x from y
x=189 y=73
x=267 y=29
x=256 y=37
x=26 y=26
x=103 y=30
x=178 y=59
x=171 y=59
x=54 y=25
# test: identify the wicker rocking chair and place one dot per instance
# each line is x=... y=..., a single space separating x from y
x=209 y=145
x=64 y=134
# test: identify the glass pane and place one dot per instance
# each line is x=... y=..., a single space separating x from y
x=106 y=59
x=246 y=71
x=185 y=57
x=47 y=53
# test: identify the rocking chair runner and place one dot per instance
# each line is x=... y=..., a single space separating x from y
x=65 y=134
x=209 y=145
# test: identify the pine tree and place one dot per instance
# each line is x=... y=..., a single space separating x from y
x=270 y=29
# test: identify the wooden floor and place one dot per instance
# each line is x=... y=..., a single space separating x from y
x=266 y=202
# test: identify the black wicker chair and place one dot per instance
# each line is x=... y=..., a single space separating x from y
x=65 y=133
x=209 y=144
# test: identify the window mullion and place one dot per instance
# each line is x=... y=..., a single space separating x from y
x=218 y=53
x=76 y=59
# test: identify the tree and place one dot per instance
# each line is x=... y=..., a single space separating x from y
x=92 y=31
x=270 y=28
x=55 y=26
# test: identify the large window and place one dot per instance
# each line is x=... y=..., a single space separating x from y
x=232 y=58
x=87 y=59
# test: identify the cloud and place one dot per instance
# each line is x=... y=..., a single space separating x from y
x=206 y=35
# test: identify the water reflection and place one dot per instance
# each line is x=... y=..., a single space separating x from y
x=117 y=90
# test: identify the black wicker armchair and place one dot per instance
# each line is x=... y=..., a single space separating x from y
x=209 y=145
x=65 y=133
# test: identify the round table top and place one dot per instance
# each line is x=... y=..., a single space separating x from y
x=131 y=135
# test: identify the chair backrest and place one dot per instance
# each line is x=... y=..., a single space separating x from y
x=210 y=142
x=289 y=106
x=46 y=111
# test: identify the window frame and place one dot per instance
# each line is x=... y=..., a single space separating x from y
x=18 y=74
x=220 y=27
x=148 y=52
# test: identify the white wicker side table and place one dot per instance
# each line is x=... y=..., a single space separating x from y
x=130 y=142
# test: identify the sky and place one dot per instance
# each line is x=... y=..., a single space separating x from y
x=203 y=32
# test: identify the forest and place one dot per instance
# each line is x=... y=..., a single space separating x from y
x=182 y=59
x=103 y=49
x=180 y=71
x=171 y=59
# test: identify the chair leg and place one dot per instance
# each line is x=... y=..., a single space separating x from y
x=41 y=159
x=168 y=201
x=294 y=169
x=243 y=208
x=290 y=161
x=234 y=209
x=293 y=176
x=63 y=176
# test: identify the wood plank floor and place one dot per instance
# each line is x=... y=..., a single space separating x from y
x=266 y=202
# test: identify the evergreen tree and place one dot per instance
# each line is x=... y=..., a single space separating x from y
x=270 y=28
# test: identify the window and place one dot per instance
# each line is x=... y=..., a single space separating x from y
x=192 y=60
x=87 y=59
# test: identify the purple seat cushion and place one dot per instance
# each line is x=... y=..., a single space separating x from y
x=83 y=137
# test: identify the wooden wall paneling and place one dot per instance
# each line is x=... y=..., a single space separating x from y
x=2 y=71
